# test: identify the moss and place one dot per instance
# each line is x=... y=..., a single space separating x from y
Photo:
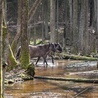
x=24 y=59
x=11 y=60
x=13 y=46
x=94 y=49
x=4 y=30
x=76 y=57
x=30 y=70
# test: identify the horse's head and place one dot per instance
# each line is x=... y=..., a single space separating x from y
x=58 y=47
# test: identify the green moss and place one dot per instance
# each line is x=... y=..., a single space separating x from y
x=13 y=46
x=11 y=60
x=24 y=59
x=94 y=49
x=30 y=70
x=4 y=32
x=76 y=57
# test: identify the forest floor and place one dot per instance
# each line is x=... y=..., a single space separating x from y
x=61 y=68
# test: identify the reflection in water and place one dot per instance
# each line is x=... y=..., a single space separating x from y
x=50 y=88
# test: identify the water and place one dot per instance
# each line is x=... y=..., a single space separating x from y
x=40 y=88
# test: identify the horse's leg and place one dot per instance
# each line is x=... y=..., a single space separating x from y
x=37 y=60
x=45 y=61
x=52 y=58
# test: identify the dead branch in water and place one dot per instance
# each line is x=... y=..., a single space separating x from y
x=67 y=79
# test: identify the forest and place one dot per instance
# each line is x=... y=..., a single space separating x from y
x=71 y=24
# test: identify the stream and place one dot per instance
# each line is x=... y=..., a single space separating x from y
x=42 y=88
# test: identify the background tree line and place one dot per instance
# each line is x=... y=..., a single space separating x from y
x=73 y=23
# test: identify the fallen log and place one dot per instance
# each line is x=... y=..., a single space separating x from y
x=74 y=57
x=67 y=79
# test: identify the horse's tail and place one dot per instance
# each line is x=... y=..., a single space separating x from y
x=18 y=53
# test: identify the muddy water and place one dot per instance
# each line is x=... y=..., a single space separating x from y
x=39 y=88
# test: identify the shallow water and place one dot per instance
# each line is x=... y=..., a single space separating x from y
x=40 y=88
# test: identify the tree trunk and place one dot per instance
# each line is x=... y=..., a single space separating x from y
x=75 y=27
x=17 y=37
x=81 y=26
x=43 y=33
x=34 y=32
x=57 y=20
x=96 y=19
x=10 y=59
x=52 y=21
x=69 y=39
x=1 y=55
x=92 y=13
x=5 y=43
x=86 y=33
x=66 y=35
x=46 y=18
x=24 y=34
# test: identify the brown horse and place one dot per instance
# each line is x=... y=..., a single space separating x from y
x=58 y=49
x=38 y=51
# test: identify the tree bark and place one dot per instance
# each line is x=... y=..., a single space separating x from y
x=10 y=59
x=24 y=35
x=1 y=55
x=46 y=18
x=4 y=44
x=52 y=21
x=18 y=34
x=96 y=11
x=75 y=27
x=43 y=33
x=86 y=33
x=69 y=39
x=81 y=26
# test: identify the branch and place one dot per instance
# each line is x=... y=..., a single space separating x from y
x=67 y=79
x=33 y=10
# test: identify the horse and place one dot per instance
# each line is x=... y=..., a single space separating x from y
x=58 y=49
x=38 y=51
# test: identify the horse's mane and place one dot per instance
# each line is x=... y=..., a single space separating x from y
x=46 y=46
x=42 y=46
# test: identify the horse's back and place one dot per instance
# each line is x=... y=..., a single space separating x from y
x=36 y=51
